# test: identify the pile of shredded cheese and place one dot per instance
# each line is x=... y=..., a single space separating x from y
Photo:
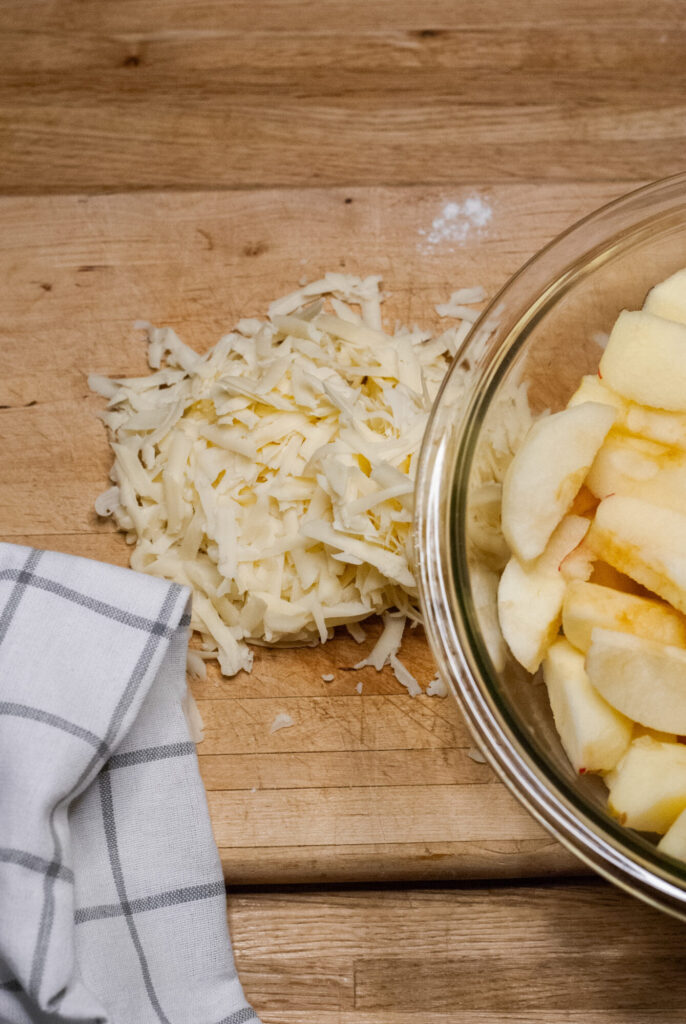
x=274 y=475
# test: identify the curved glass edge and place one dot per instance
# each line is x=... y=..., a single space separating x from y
x=507 y=754
x=548 y=797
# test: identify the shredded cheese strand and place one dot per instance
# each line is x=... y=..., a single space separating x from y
x=275 y=474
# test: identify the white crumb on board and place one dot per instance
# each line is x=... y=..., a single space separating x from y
x=195 y=665
x=254 y=789
x=357 y=632
x=328 y=677
x=476 y=755
x=437 y=688
x=385 y=652
x=456 y=223
x=459 y=302
x=404 y=676
x=388 y=643
x=282 y=721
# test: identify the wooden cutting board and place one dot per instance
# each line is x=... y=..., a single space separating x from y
x=371 y=786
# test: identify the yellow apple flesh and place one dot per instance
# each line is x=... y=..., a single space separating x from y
x=642 y=678
x=648 y=786
x=530 y=595
x=673 y=841
x=644 y=541
x=546 y=473
x=593 y=734
x=667 y=428
x=639 y=468
x=668 y=298
x=587 y=606
x=645 y=360
x=592 y=389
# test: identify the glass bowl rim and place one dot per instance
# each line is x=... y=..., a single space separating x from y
x=614 y=852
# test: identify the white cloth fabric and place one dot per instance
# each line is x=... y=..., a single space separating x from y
x=112 y=901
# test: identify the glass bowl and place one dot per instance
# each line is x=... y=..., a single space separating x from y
x=550 y=320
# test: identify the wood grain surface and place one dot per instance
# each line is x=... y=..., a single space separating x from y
x=564 y=953
x=371 y=786
x=238 y=93
x=300 y=110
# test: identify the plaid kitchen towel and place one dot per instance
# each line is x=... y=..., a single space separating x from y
x=112 y=902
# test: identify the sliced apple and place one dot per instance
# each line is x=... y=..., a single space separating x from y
x=644 y=541
x=530 y=596
x=655 y=424
x=587 y=606
x=578 y=565
x=529 y=607
x=640 y=468
x=565 y=539
x=645 y=360
x=667 y=488
x=642 y=678
x=592 y=389
x=668 y=299
x=593 y=734
x=673 y=841
x=648 y=786
x=546 y=473
x=622 y=462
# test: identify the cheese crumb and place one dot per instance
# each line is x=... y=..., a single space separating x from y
x=405 y=677
x=195 y=665
x=357 y=632
x=476 y=755
x=437 y=688
x=282 y=721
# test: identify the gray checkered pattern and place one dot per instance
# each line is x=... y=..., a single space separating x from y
x=112 y=902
